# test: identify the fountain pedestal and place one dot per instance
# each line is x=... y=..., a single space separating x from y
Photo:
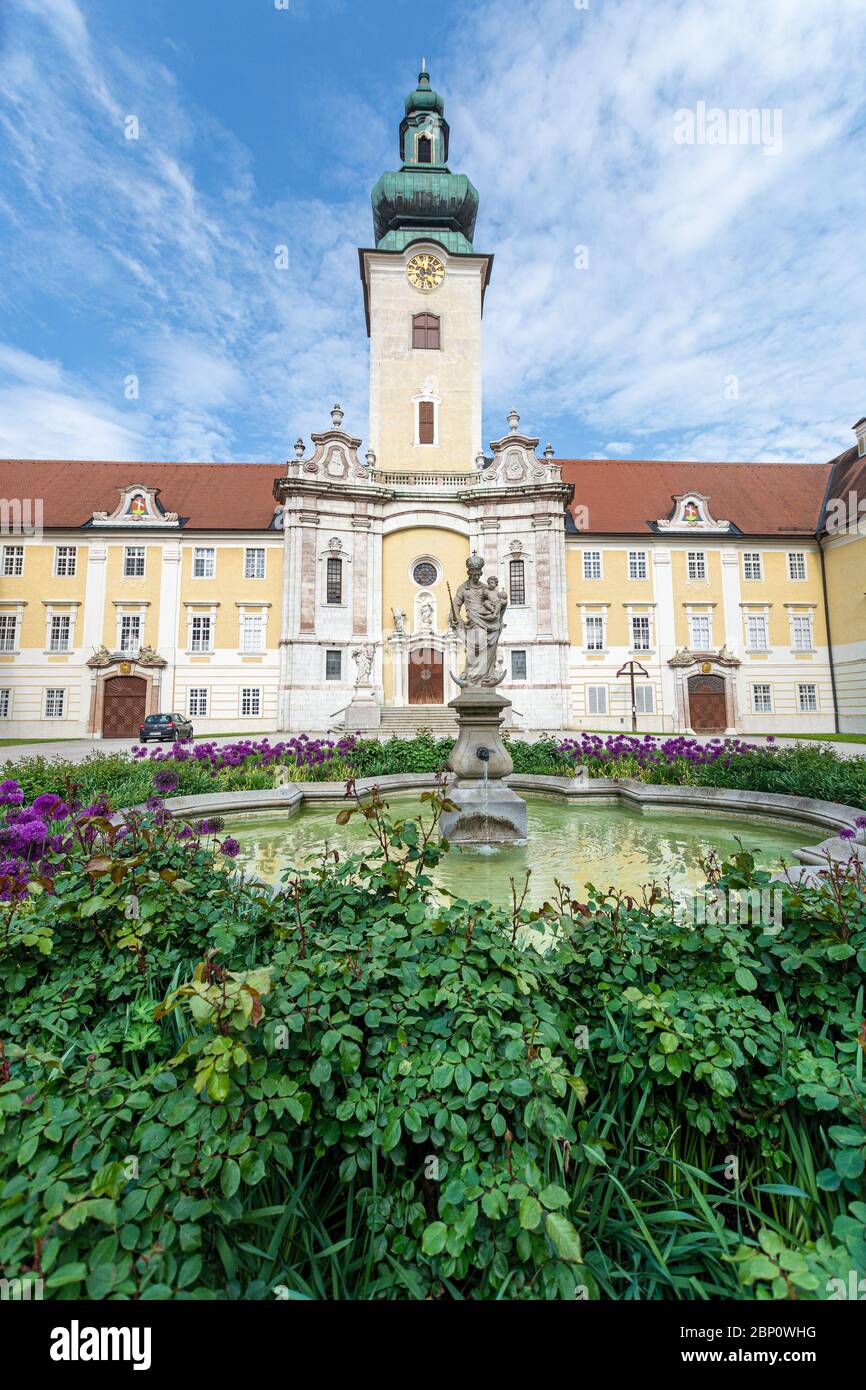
x=488 y=812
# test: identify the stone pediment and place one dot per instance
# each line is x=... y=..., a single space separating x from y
x=138 y=506
x=515 y=462
x=691 y=513
x=334 y=459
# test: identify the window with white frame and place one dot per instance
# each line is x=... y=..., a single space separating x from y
x=130 y=633
x=251 y=701
x=801 y=631
x=518 y=665
x=65 y=561
x=8 y=631
x=426 y=422
x=334 y=580
x=697 y=564
x=762 y=699
x=752 y=565
x=196 y=704
x=333 y=666
x=13 y=560
x=5 y=703
x=252 y=632
x=254 y=563
x=203 y=562
x=637 y=568
x=133 y=562
x=59 y=632
x=201 y=633
x=594 y=629
x=592 y=564
x=796 y=564
x=644 y=699
x=641 y=632
x=596 y=699
x=701 y=625
x=757 y=639
x=807 y=698
x=55 y=704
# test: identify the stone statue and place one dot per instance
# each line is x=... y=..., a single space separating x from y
x=426 y=612
x=399 y=617
x=484 y=606
x=364 y=658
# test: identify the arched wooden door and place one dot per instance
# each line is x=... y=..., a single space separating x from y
x=426 y=677
x=124 y=707
x=708 y=708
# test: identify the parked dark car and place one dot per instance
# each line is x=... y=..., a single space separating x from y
x=160 y=727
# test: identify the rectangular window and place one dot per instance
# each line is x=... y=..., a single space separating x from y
x=203 y=562
x=55 y=704
x=594 y=632
x=796 y=564
x=697 y=563
x=596 y=699
x=251 y=702
x=65 y=561
x=756 y=632
x=426 y=422
x=200 y=637
x=517 y=582
x=333 y=666
x=133 y=562
x=60 y=633
x=5 y=703
x=807 y=697
x=702 y=633
x=640 y=633
x=426 y=332
x=644 y=699
x=592 y=564
x=637 y=564
x=130 y=634
x=762 y=699
x=335 y=581
x=254 y=564
x=252 y=633
x=801 y=627
x=13 y=559
x=8 y=631
x=518 y=666
x=752 y=566
x=197 y=702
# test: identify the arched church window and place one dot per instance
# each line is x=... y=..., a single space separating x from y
x=426 y=331
x=426 y=422
x=425 y=150
x=335 y=580
x=517 y=582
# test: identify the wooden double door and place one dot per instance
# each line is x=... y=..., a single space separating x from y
x=426 y=676
x=708 y=705
x=124 y=707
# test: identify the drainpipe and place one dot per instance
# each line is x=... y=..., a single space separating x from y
x=829 y=633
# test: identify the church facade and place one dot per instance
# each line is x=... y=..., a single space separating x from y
x=691 y=597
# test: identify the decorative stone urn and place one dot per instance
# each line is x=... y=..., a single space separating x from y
x=488 y=812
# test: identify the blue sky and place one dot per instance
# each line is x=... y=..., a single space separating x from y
x=716 y=312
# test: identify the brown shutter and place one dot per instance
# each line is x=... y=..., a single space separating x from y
x=426 y=422
x=425 y=331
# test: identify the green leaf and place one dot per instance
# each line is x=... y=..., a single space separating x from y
x=745 y=979
x=554 y=1197
x=564 y=1237
x=230 y=1178
x=530 y=1213
x=434 y=1238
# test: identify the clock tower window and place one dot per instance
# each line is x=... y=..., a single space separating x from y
x=426 y=332
x=425 y=150
x=426 y=422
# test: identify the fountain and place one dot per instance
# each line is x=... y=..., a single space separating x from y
x=487 y=812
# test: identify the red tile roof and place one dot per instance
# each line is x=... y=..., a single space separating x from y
x=849 y=475
x=208 y=496
x=628 y=495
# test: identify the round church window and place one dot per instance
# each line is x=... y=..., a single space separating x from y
x=425 y=574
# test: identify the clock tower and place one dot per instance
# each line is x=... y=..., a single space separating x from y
x=424 y=288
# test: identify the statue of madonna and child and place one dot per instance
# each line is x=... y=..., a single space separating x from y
x=484 y=606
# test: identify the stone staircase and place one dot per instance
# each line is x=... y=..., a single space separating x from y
x=406 y=722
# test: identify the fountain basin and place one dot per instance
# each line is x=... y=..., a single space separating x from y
x=488 y=813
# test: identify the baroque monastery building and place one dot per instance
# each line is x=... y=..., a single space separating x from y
x=316 y=597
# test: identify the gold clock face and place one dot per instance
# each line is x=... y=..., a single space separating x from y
x=425 y=272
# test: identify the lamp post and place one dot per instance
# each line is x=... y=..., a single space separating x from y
x=631 y=667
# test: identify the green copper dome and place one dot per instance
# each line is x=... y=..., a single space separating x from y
x=423 y=198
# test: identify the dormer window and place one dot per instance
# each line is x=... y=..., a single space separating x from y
x=425 y=149
x=426 y=331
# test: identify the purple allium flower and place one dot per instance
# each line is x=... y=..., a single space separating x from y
x=10 y=793
x=230 y=848
x=211 y=826
x=846 y=834
x=165 y=781
x=860 y=822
